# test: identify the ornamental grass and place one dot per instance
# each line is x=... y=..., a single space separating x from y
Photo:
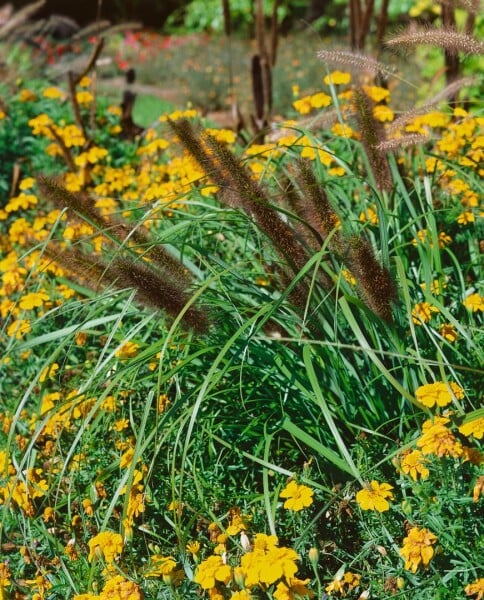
x=241 y=370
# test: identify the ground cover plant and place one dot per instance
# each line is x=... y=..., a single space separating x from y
x=242 y=365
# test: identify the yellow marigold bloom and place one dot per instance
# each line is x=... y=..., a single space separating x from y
x=474 y=302
x=119 y=587
x=49 y=372
x=377 y=94
x=422 y=312
x=448 y=332
x=5 y=575
x=383 y=113
x=33 y=300
x=53 y=93
x=27 y=96
x=435 y=119
x=466 y=217
x=369 y=215
x=127 y=350
x=438 y=393
x=88 y=507
x=211 y=570
x=298 y=496
x=84 y=97
x=346 y=582
x=26 y=183
x=268 y=566
x=475 y=588
x=437 y=439
x=417 y=548
x=303 y=105
x=19 y=328
x=413 y=464
x=242 y=595
x=72 y=136
x=294 y=588
x=160 y=565
x=193 y=548
x=107 y=545
x=478 y=490
x=2 y=115
x=342 y=130
x=375 y=496
x=85 y=82
x=92 y=156
x=475 y=427
x=40 y=124
x=337 y=78
x=320 y=100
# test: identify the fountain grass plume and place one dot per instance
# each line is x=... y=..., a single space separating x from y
x=374 y=280
x=451 y=40
x=372 y=134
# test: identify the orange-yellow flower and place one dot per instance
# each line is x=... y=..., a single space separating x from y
x=413 y=464
x=474 y=302
x=417 y=548
x=438 y=393
x=437 y=439
x=475 y=588
x=106 y=544
x=211 y=570
x=375 y=496
x=298 y=496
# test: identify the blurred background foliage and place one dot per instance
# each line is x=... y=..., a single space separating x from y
x=206 y=15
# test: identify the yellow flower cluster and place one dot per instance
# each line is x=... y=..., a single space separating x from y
x=417 y=548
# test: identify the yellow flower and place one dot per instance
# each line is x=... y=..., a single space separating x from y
x=19 y=328
x=417 y=548
x=383 y=113
x=160 y=565
x=320 y=100
x=2 y=115
x=337 y=78
x=268 y=565
x=466 y=217
x=438 y=393
x=211 y=570
x=242 y=595
x=27 y=96
x=49 y=372
x=106 y=544
x=377 y=94
x=348 y=580
x=303 y=105
x=374 y=497
x=53 y=93
x=342 y=130
x=127 y=350
x=476 y=587
x=437 y=439
x=448 y=332
x=475 y=427
x=26 y=183
x=474 y=302
x=413 y=464
x=369 y=215
x=84 y=97
x=118 y=588
x=422 y=312
x=298 y=496
x=85 y=82
x=33 y=300
x=293 y=589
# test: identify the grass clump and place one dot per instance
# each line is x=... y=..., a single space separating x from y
x=241 y=370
